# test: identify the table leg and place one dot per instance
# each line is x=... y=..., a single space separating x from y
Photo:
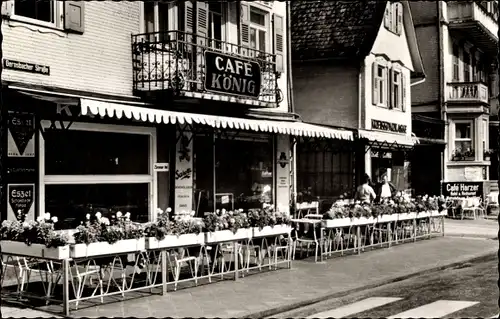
x=358 y=232
x=414 y=230
x=322 y=240
x=235 y=261
x=442 y=225
x=65 y=269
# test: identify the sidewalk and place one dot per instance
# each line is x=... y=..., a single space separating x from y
x=483 y=228
x=265 y=294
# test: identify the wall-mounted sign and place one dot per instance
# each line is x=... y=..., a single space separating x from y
x=184 y=172
x=462 y=189
x=283 y=174
x=387 y=126
x=160 y=167
x=21 y=197
x=231 y=75
x=21 y=135
x=26 y=67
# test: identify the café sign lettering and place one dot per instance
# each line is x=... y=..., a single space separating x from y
x=26 y=67
x=231 y=75
x=386 y=126
x=462 y=189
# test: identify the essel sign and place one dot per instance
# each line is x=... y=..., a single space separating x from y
x=231 y=75
x=462 y=189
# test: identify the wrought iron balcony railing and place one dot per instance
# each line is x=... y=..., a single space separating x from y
x=208 y=69
x=468 y=92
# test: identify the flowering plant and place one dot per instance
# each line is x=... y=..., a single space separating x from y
x=267 y=217
x=97 y=228
x=40 y=231
x=182 y=223
x=226 y=220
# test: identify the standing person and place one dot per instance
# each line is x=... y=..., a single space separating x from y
x=385 y=189
x=365 y=192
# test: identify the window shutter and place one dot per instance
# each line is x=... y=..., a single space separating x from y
x=202 y=22
x=244 y=25
x=390 y=15
x=188 y=23
x=7 y=7
x=74 y=16
x=403 y=92
x=375 y=97
x=390 y=88
x=399 y=17
x=278 y=42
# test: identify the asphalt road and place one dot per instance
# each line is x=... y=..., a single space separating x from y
x=467 y=291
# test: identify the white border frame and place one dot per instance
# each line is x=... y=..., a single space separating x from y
x=151 y=178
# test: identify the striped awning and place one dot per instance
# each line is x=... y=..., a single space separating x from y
x=145 y=114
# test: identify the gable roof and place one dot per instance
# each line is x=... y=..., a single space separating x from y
x=334 y=29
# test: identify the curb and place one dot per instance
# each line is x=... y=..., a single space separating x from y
x=471 y=235
x=304 y=303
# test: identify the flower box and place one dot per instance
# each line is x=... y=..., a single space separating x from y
x=228 y=235
x=34 y=250
x=105 y=248
x=425 y=214
x=407 y=216
x=271 y=231
x=436 y=213
x=337 y=222
x=171 y=241
x=363 y=221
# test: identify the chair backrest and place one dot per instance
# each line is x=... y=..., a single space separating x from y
x=307 y=230
x=307 y=207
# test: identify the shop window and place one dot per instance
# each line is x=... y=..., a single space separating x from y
x=96 y=168
x=379 y=95
x=455 y=61
x=463 y=143
x=244 y=173
x=393 y=19
x=40 y=10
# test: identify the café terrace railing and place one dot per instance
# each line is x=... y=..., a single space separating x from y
x=173 y=61
x=468 y=92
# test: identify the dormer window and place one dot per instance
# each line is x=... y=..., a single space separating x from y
x=393 y=18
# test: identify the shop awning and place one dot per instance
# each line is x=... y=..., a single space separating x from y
x=146 y=114
x=388 y=139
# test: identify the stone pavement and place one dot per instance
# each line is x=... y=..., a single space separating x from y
x=263 y=294
x=485 y=228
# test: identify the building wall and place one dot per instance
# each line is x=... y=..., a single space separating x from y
x=99 y=60
x=326 y=93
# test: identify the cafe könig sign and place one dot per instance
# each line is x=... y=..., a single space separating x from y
x=231 y=75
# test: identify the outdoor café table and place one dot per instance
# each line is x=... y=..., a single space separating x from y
x=314 y=223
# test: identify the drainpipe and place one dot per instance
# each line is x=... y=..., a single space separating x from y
x=442 y=106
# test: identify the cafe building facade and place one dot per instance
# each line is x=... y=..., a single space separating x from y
x=353 y=66
x=133 y=106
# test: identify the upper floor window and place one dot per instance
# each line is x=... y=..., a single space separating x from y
x=258 y=29
x=396 y=90
x=456 y=53
x=393 y=18
x=215 y=24
x=156 y=20
x=467 y=62
x=41 y=10
x=379 y=94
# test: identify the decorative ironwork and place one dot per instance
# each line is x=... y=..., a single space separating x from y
x=169 y=61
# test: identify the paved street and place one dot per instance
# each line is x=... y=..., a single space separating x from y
x=268 y=293
x=485 y=228
x=466 y=291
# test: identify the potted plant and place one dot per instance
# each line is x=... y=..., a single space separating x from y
x=184 y=230
x=487 y=154
x=463 y=155
x=222 y=226
x=100 y=236
x=34 y=238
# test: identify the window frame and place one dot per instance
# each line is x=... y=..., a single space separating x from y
x=223 y=18
x=172 y=20
x=57 y=16
x=455 y=62
x=472 y=135
x=150 y=178
x=382 y=85
x=466 y=66
x=392 y=24
x=258 y=27
x=399 y=93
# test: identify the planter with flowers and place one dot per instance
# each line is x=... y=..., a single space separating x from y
x=337 y=216
x=223 y=226
x=184 y=230
x=34 y=238
x=266 y=222
x=487 y=154
x=100 y=236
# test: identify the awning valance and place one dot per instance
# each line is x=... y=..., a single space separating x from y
x=146 y=114
x=388 y=138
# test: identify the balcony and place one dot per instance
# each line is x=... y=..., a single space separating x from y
x=428 y=129
x=474 y=20
x=468 y=92
x=208 y=69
